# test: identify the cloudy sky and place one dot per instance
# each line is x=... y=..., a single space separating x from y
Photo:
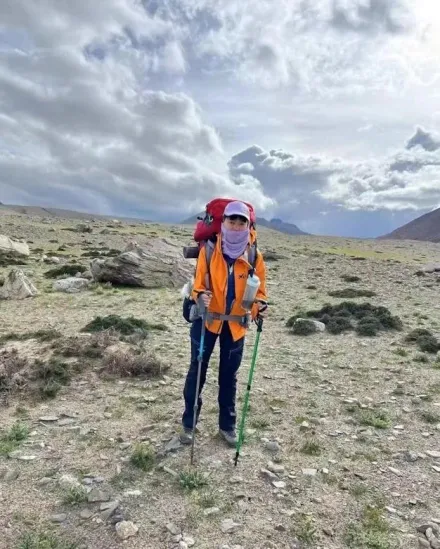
x=325 y=113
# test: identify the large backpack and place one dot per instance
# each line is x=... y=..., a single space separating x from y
x=205 y=235
x=209 y=225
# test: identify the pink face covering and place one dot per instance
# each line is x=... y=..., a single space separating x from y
x=234 y=242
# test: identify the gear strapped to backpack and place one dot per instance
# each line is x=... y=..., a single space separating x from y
x=205 y=235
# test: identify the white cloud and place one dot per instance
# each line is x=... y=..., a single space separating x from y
x=90 y=117
x=406 y=180
x=79 y=127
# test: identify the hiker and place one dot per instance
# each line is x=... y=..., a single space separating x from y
x=228 y=275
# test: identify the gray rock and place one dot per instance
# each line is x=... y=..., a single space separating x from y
x=157 y=264
x=275 y=467
x=269 y=474
x=17 y=286
x=58 y=518
x=97 y=495
x=309 y=472
x=86 y=514
x=211 y=511
x=49 y=419
x=126 y=529
x=318 y=326
x=68 y=481
x=411 y=457
x=173 y=445
x=395 y=471
x=124 y=445
x=228 y=526
x=10 y=475
x=71 y=284
x=173 y=529
x=66 y=421
x=13 y=248
x=272 y=446
x=16 y=454
x=108 y=509
x=132 y=493
x=433 y=454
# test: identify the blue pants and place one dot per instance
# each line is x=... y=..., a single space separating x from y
x=231 y=353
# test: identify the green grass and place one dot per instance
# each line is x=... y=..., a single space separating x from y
x=358 y=490
x=69 y=269
x=350 y=278
x=11 y=440
x=52 y=375
x=424 y=339
x=364 y=254
x=371 y=532
x=304 y=529
x=311 y=448
x=350 y=293
x=124 y=326
x=44 y=540
x=400 y=352
x=143 y=457
x=365 y=318
x=192 y=480
x=257 y=423
x=75 y=495
x=430 y=417
x=40 y=335
x=375 y=418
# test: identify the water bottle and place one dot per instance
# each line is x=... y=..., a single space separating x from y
x=250 y=292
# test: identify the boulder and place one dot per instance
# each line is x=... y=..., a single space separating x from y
x=71 y=285
x=13 y=247
x=17 y=286
x=157 y=264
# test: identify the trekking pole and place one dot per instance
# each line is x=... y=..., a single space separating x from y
x=199 y=373
x=259 y=323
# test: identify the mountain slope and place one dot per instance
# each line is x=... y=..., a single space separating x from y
x=274 y=224
x=62 y=213
x=426 y=227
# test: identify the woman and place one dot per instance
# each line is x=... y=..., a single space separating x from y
x=229 y=270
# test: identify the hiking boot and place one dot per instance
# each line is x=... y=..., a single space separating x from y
x=186 y=435
x=229 y=436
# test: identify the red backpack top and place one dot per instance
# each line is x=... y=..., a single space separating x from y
x=210 y=224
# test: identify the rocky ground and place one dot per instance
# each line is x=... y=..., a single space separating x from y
x=342 y=442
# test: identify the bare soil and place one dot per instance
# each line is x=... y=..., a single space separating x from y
x=351 y=423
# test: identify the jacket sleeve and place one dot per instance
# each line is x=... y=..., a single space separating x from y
x=200 y=275
x=260 y=270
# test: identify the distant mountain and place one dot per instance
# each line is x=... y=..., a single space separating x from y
x=274 y=224
x=425 y=227
x=40 y=211
x=279 y=225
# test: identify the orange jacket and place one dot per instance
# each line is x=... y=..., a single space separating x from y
x=218 y=286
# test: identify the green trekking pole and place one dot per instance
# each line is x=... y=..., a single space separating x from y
x=259 y=322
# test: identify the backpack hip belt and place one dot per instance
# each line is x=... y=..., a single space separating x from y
x=242 y=320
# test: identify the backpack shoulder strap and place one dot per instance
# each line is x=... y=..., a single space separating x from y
x=252 y=256
x=209 y=250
